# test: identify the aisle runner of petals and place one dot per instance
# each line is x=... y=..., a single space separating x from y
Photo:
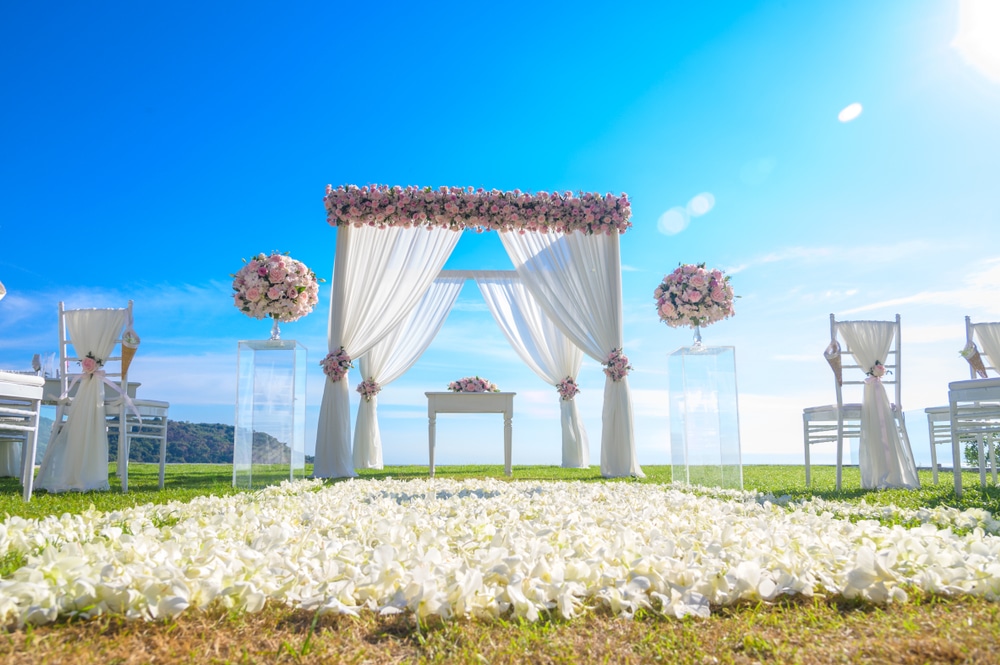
x=486 y=548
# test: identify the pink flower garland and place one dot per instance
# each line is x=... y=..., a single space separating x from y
x=473 y=384
x=459 y=208
x=567 y=389
x=369 y=388
x=275 y=286
x=616 y=366
x=335 y=364
x=693 y=296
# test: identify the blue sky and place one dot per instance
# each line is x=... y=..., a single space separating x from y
x=148 y=148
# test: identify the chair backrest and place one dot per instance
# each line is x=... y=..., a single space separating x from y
x=988 y=337
x=70 y=353
x=867 y=333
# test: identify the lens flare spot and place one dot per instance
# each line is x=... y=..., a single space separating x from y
x=700 y=204
x=673 y=221
x=849 y=112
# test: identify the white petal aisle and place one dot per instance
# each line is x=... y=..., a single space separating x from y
x=486 y=548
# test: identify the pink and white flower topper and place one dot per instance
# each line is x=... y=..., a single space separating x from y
x=459 y=208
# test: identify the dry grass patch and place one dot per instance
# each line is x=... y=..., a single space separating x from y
x=796 y=631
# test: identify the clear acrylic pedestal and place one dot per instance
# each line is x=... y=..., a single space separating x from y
x=704 y=418
x=269 y=443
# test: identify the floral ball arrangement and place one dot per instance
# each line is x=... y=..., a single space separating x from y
x=694 y=296
x=473 y=384
x=275 y=286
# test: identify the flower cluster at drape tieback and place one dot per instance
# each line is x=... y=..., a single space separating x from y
x=90 y=363
x=694 y=296
x=616 y=366
x=335 y=364
x=877 y=370
x=473 y=384
x=277 y=286
x=567 y=388
x=458 y=208
x=369 y=388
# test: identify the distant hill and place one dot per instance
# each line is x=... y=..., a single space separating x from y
x=189 y=443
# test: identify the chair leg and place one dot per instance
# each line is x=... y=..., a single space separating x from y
x=934 y=464
x=163 y=452
x=982 y=460
x=992 y=445
x=805 y=438
x=840 y=449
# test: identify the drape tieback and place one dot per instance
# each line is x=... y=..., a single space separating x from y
x=616 y=366
x=876 y=371
x=369 y=388
x=336 y=364
x=91 y=367
x=567 y=388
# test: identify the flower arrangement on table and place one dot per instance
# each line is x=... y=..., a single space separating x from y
x=567 y=389
x=275 y=286
x=336 y=363
x=369 y=388
x=616 y=365
x=473 y=384
x=694 y=296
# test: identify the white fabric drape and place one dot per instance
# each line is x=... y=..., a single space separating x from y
x=989 y=339
x=543 y=347
x=379 y=275
x=885 y=459
x=395 y=353
x=77 y=457
x=576 y=279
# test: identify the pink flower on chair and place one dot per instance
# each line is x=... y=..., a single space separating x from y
x=90 y=364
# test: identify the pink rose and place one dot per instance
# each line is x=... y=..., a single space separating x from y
x=667 y=310
x=89 y=365
x=277 y=275
x=697 y=280
x=692 y=295
x=253 y=294
x=274 y=293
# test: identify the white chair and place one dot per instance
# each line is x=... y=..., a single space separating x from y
x=842 y=420
x=20 y=412
x=128 y=416
x=974 y=404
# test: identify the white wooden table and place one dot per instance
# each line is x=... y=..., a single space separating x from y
x=451 y=402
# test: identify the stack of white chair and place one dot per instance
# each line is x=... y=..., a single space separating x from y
x=20 y=412
x=974 y=404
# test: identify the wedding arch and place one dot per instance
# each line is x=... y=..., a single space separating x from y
x=392 y=244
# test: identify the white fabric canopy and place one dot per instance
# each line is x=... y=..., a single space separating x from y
x=77 y=458
x=379 y=275
x=989 y=338
x=395 y=353
x=576 y=279
x=885 y=459
x=543 y=347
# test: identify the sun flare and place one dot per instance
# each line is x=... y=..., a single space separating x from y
x=978 y=36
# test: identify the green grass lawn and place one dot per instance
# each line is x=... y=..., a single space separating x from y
x=813 y=630
x=186 y=481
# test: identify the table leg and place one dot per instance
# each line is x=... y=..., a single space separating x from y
x=506 y=442
x=430 y=440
